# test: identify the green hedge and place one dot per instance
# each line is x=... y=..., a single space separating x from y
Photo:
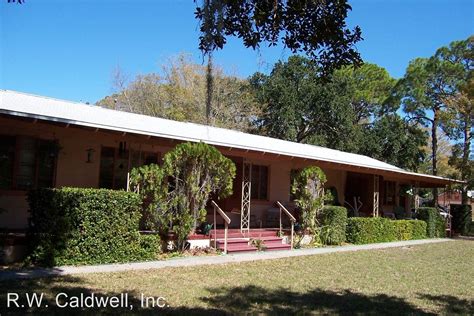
x=366 y=230
x=471 y=229
x=87 y=226
x=435 y=225
x=409 y=229
x=333 y=220
x=462 y=218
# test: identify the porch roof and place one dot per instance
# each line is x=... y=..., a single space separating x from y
x=55 y=110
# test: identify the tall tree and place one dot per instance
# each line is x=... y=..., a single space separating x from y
x=316 y=28
x=422 y=91
x=178 y=92
x=302 y=107
x=443 y=152
x=395 y=141
x=370 y=85
x=461 y=106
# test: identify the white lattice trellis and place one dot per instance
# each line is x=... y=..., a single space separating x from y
x=246 y=194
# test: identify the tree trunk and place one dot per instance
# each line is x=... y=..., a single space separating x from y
x=465 y=156
x=434 y=151
x=209 y=88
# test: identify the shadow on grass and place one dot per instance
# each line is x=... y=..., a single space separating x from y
x=255 y=299
x=229 y=300
x=451 y=305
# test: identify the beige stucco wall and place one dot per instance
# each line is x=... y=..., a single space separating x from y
x=279 y=184
x=73 y=170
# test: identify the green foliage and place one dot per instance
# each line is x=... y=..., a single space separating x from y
x=369 y=86
x=177 y=193
x=178 y=92
x=308 y=189
x=393 y=140
x=87 y=226
x=471 y=229
x=149 y=182
x=196 y=170
x=430 y=93
x=366 y=230
x=315 y=28
x=435 y=225
x=333 y=221
x=409 y=229
x=303 y=107
x=462 y=218
x=361 y=230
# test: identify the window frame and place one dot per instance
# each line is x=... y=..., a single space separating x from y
x=258 y=198
x=13 y=189
x=392 y=195
x=157 y=154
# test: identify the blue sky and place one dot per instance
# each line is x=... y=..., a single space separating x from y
x=68 y=49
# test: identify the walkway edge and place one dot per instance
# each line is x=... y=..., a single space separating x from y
x=196 y=261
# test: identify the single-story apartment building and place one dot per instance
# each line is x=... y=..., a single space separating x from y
x=46 y=142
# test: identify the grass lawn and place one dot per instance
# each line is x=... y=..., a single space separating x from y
x=424 y=279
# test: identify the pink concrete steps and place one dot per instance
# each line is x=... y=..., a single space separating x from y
x=236 y=245
x=236 y=233
x=270 y=243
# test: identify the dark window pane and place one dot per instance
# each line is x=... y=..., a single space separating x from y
x=259 y=182
x=106 y=174
x=47 y=151
x=120 y=171
x=151 y=158
x=7 y=161
x=135 y=159
x=263 y=182
x=255 y=182
x=26 y=163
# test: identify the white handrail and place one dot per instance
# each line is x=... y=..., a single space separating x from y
x=292 y=219
x=226 y=225
x=221 y=212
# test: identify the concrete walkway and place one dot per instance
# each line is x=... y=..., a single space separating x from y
x=203 y=260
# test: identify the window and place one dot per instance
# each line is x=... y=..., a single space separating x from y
x=7 y=161
x=259 y=182
x=27 y=162
x=389 y=193
x=115 y=163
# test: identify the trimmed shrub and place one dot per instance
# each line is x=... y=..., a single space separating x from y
x=462 y=218
x=333 y=221
x=435 y=225
x=87 y=226
x=409 y=229
x=366 y=230
x=418 y=229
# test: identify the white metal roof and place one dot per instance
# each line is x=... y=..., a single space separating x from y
x=39 y=107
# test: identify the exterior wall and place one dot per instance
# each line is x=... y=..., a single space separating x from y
x=279 y=187
x=73 y=170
